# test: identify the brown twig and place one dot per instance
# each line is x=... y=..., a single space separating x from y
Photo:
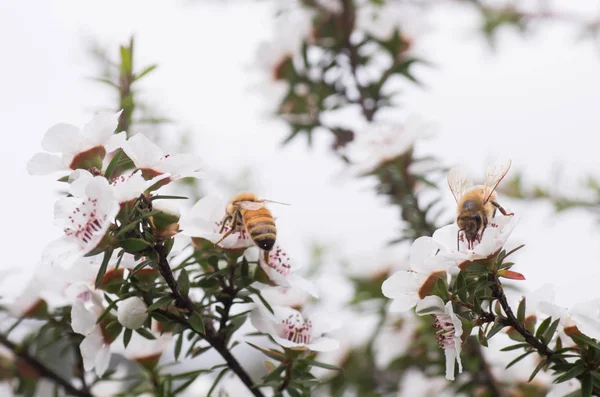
x=211 y=335
x=42 y=369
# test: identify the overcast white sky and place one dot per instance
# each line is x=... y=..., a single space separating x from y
x=534 y=100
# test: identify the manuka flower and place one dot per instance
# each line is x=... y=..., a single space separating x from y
x=449 y=330
x=132 y=312
x=95 y=349
x=205 y=221
x=494 y=237
x=85 y=219
x=280 y=269
x=289 y=328
x=152 y=161
x=77 y=148
x=407 y=287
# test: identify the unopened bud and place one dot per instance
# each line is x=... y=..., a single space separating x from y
x=132 y=312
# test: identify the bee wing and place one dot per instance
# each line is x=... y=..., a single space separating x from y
x=458 y=181
x=494 y=173
x=255 y=205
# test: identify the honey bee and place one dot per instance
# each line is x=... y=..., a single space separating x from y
x=246 y=211
x=476 y=204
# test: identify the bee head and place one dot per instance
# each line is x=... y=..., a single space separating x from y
x=470 y=225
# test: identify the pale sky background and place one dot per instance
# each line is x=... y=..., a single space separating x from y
x=535 y=100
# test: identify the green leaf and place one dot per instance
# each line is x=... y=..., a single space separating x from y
x=482 y=338
x=197 y=323
x=112 y=165
x=263 y=300
x=521 y=311
x=543 y=327
x=516 y=360
x=461 y=286
x=162 y=301
x=217 y=380
x=319 y=364
x=133 y=245
x=178 y=345
x=144 y=72
x=547 y=337
x=184 y=282
x=275 y=355
x=145 y=333
x=103 y=266
x=495 y=329
x=161 y=197
x=514 y=347
x=537 y=369
x=127 y=336
x=577 y=369
x=586 y=385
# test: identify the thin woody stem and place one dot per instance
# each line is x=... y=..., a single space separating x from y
x=211 y=335
x=42 y=369
x=542 y=348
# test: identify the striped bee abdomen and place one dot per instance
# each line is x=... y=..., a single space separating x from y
x=261 y=227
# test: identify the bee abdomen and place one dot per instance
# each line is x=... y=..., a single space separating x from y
x=261 y=227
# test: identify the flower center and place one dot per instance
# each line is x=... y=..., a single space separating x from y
x=86 y=221
x=279 y=261
x=296 y=329
x=445 y=334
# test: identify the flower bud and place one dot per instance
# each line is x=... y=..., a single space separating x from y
x=132 y=312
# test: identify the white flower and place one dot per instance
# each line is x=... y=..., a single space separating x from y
x=77 y=148
x=145 y=351
x=394 y=339
x=85 y=218
x=449 y=330
x=85 y=311
x=387 y=141
x=132 y=312
x=280 y=269
x=407 y=287
x=282 y=296
x=205 y=220
x=290 y=329
x=586 y=316
x=124 y=187
x=494 y=237
x=564 y=389
x=152 y=161
x=30 y=302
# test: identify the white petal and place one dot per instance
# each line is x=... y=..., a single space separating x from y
x=295 y=280
x=421 y=250
x=447 y=236
x=99 y=129
x=399 y=284
x=587 y=317
x=288 y=343
x=102 y=360
x=116 y=141
x=63 y=251
x=431 y=304
x=90 y=347
x=78 y=180
x=44 y=164
x=142 y=151
x=62 y=138
x=251 y=254
x=83 y=321
x=181 y=164
x=450 y=363
x=263 y=321
x=324 y=345
x=404 y=303
x=323 y=323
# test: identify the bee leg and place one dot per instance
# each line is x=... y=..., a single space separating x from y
x=266 y=256
x=224 y=222
x=232 y=222
x=458 y=240
x=502 y=210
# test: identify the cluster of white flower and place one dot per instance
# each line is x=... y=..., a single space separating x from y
x=93 y=209
x=436 y=257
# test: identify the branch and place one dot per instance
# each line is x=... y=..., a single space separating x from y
x=42 y=369
x=211 y=335
x=538 y=345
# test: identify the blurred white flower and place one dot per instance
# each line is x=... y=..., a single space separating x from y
x=290 y=329
x=381 y=20
x=382 y=142
x=30 y=302
x=85 y=218
x=586 y=316
x=146 y=352
x=77 y=148
x=377 y=262
x=152 y=161
x=407 y=287
x=494 y=238
x=280 y=269
x=132 y=312
x=284 y=296
x=564 y=389
x=416 y=383
x=87 y=307
x=449 y=330
x=205 y=220
x=394 y=338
